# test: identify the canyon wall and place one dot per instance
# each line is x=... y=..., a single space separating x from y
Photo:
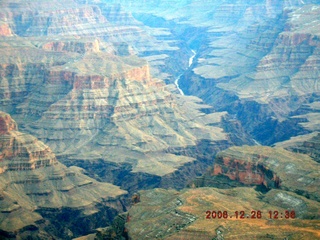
x=88 y=79
x=265 y=167
x=38 y=192
x=257 y=60
x=72 y=78
x=215 y=207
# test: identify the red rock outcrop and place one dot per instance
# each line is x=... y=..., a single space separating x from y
x=20 y=152
x=247 y=172
x=271 y=167
x=5 y=30
x=72 y=46
x=7 y=124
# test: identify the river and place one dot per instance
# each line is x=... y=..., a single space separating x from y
x=176 y=82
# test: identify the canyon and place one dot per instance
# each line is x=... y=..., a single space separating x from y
x=276 y=190
x=38 y=192
x=162 y=100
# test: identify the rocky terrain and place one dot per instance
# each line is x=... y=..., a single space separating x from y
x=307 y=144
x=183 y=215
x=41 y=197
x=286 y=183
x=70 y=77
x=102 y=84
x=85 y=93
x=258 y=60
x=269 y=168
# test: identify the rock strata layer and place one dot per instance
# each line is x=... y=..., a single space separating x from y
x=284 y=202
x=258 y=61
x=36 y=190
x=269 y=168
x=307 y=144
x=71 y=78
x=88 y=79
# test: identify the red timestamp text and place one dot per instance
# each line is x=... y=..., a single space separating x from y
x=278 y=214
x=237 y=214
x=254 y=214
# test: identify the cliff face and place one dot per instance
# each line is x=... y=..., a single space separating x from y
x=54 y=18
x=257 y=60
x=285 y=78
x=213 y=211
x=70 y=76
x=272 y=168
x=37 y=191
x=7 y=124
x=307 y=144
x=290 y=63
x=103 y=101
x=72 y=46
x=95 y=103
x=245 y=172
x=111 y=23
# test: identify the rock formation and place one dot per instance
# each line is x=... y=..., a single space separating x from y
x=265 y=167
x=291 y=191
x=5 y=30
x=83 y=92
x=103 y=101
x=169 y=214
x=38 y=192
x=88 y=78
x=307 y=144
x=258 y=60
